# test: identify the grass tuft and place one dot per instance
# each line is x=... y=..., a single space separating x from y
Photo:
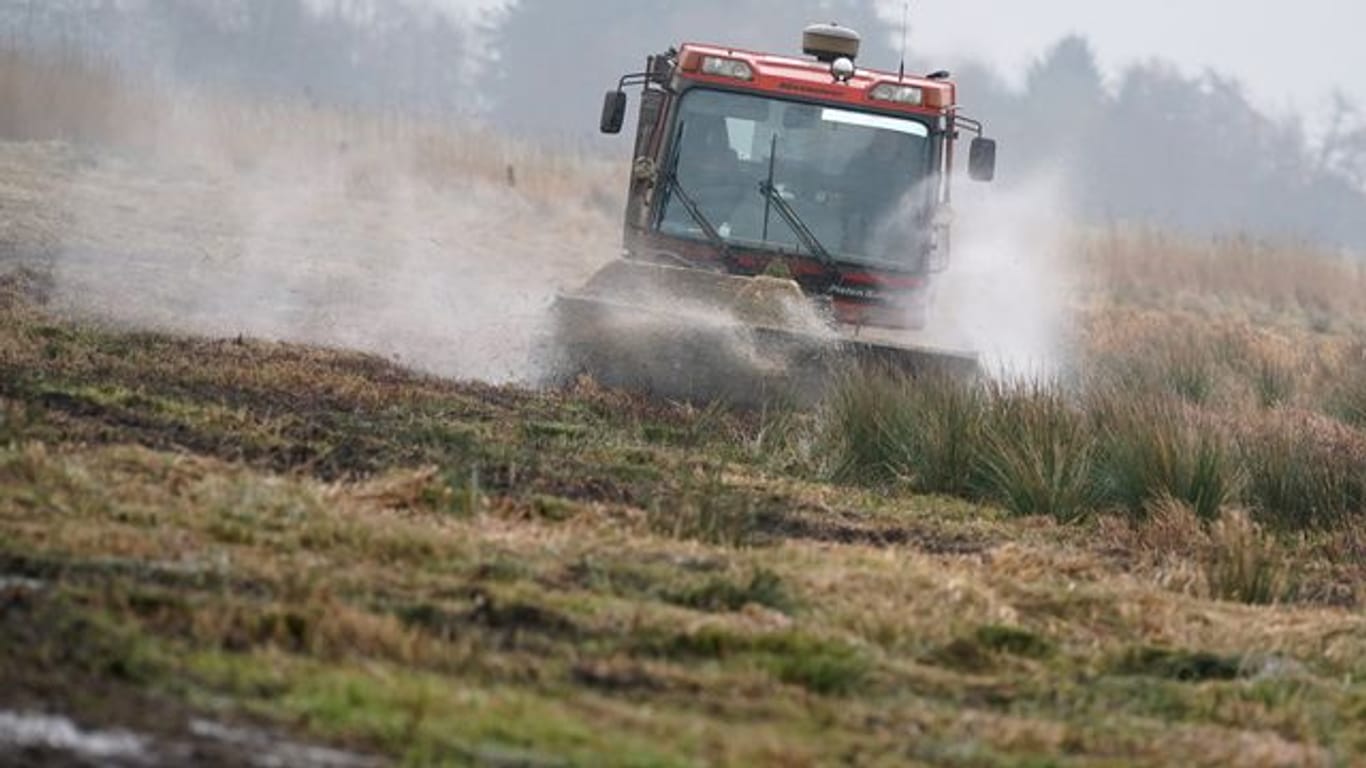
x=1154 y=449
x=1244 y=563
x=705 y=509
x=1037 y=455
x=1171 y=527
x=1186 y=370
x=919 y=431
x=1304 y=471
x=1348 y=402
x=1346 y=397
x=764 y=588
x=1274 y=383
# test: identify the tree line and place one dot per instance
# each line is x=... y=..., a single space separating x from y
x=1189 y=152
x=390 y=54
x=1153 y=145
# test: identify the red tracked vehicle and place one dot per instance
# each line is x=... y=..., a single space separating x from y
x=783 y=222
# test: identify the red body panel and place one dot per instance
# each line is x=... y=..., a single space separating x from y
x=782 y=75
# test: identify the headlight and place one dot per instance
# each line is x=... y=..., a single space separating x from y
x=732 y=68
x=900 y=94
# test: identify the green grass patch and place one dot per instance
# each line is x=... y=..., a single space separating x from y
x=423 y=719
x=1180 y=665
x=719 y=593
x=827 y=667
x=981 y=652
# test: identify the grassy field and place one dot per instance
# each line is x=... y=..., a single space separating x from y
x=326 y=544
x=235 y=549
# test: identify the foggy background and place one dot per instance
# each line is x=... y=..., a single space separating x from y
x=1198 y=116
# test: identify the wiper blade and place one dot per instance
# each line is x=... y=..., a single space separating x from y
x=789 y=215
x=695 y=211
x=774 y=199
x=674 y=188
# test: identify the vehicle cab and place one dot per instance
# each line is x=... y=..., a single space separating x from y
x=811 y=168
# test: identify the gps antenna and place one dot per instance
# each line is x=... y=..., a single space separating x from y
x=905 y=28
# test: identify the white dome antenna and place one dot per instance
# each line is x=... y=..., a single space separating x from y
x=828 y=42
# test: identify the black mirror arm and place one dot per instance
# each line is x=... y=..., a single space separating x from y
x=635 y=78
x=967 y=123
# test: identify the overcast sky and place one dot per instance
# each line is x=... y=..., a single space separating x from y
x=1289 y=55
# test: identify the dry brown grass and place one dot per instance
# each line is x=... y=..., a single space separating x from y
x=66 y=95
x=1245 y=563
x=352 y=591
x=1171 y=528
x=69 y=96
x=442 y=570
x=320 y=594
x=1269 y=282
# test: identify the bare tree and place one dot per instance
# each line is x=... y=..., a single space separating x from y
x=1343 y=148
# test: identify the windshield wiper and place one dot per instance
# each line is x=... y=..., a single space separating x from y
x=789 y=215
x=695 y=211
x=675 y=189
x=774 y=199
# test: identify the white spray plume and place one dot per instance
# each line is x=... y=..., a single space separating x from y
x=455 y=277
x=344 y=245
x=1007 y=290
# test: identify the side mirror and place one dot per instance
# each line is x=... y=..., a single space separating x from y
x=982 y=160
x=613 y=112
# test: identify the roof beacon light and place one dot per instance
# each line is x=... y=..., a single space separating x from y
x=722 y=67
x=843 y=69
x=909 y=95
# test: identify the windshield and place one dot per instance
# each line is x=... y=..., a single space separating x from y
x=856 y=181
